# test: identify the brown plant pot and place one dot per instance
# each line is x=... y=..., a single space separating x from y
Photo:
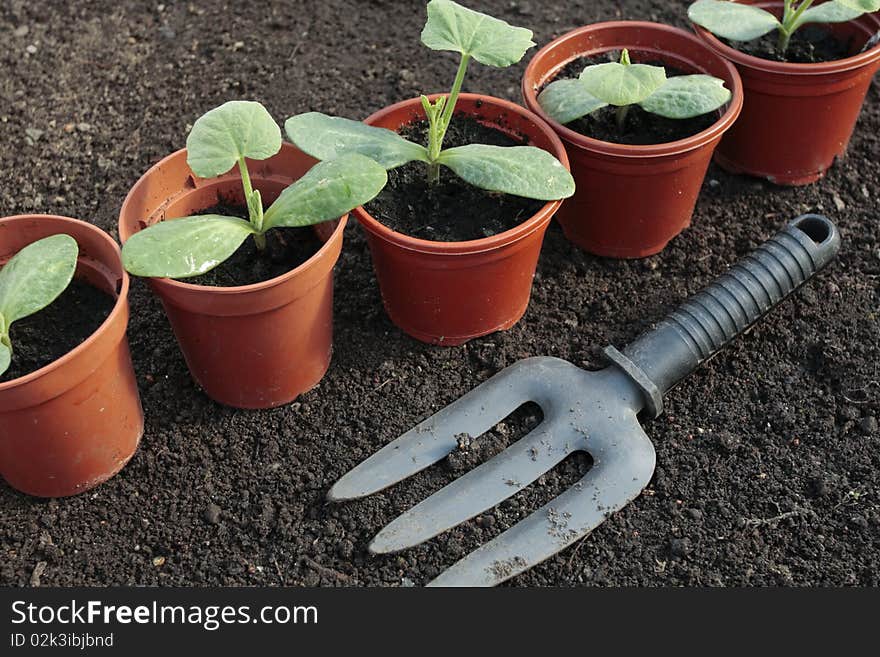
x=632 y=200
x=797 y=118
x=447 y=293
x=251 y=346
x=76 y=422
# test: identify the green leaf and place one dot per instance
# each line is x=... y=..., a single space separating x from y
x=567 y=100
x=185 y=247
x=329 y=190
x=863 y=6
x=328 y=137
x=731 y=20
x=686 y=96
x=518 y=170
x=239 y=128
x=488 y=40
x=35 y=276
x=830 y=12
x=5 y=357
x=622 y=84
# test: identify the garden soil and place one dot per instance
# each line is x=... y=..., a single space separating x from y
x=768 y=458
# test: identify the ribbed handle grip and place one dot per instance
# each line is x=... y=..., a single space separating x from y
x=706 y=322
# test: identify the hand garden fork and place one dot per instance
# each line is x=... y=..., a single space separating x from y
x=595 y=412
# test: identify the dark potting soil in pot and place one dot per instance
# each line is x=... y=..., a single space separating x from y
x=452 y=210
x=641 y=128
x=286 y=249
x=67 y=322
x=811 y=44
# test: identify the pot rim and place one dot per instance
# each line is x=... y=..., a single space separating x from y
x=483 y=244
x=119 y=307
x=788 y=68
x=724 y=122
x=218 y=290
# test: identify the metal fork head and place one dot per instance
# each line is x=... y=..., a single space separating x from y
x=593 y=412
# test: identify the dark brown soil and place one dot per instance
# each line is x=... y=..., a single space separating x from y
x=286 y=249
x=809 y=45
x=768 y=457
x=641 y=127
x=451 y=210
x=65 y=323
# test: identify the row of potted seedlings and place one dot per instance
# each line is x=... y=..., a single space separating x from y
x=239 y=232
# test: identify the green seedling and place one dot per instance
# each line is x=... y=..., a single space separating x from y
x=624 y=84
x=737 y=22
x=218 y=141
x=519 y=170
x=31 y=280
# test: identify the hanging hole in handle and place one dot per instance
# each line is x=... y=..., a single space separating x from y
x=816 y=227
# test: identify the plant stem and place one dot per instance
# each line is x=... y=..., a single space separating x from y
x=433 y=173
x=254 y=205
x=439 y=122
x=790 y=18
x=782 y=42
x=621 y=114
x=786 y=11
x=452 y=99
x=245 y=179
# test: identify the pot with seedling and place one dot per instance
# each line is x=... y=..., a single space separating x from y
x=473 y=183
x=640 y=107
x=806 y=67
x=239 y=234
x=70 y=414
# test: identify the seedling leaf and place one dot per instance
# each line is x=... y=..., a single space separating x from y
x=236 y=129
x=488 y=40
x=186 y=247
x=329 y=190
x=5 y=357
x=519 y=170
x=35 y=276
x=328 y=137
x=731 y=20
x=567 y=100
x=622 y=84
x=836 y=11
x=686 y=96
x=863 y=6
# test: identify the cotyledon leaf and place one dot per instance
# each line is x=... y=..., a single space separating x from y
x=731 y=20
x=488 y=40
x=836 y=11
x=327 y=191
x=686 y=96
x=236 y=129
x=863 y=6
x=328 y=137
x=35 y=276
x=567 y=100
x=519 y=170
x=622 y=83
x=5 y=357
x=185 y=247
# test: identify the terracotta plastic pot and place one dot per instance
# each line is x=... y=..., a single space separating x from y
x=75 y=423
x=631 y=200
x=446 y=293
x=797 y=117
x=252 y=346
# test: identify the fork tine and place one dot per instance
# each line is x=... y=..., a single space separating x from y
x=494 y=481
x=611 y=484
x=431 y=440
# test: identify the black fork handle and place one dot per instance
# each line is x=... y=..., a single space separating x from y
x=706 y=322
